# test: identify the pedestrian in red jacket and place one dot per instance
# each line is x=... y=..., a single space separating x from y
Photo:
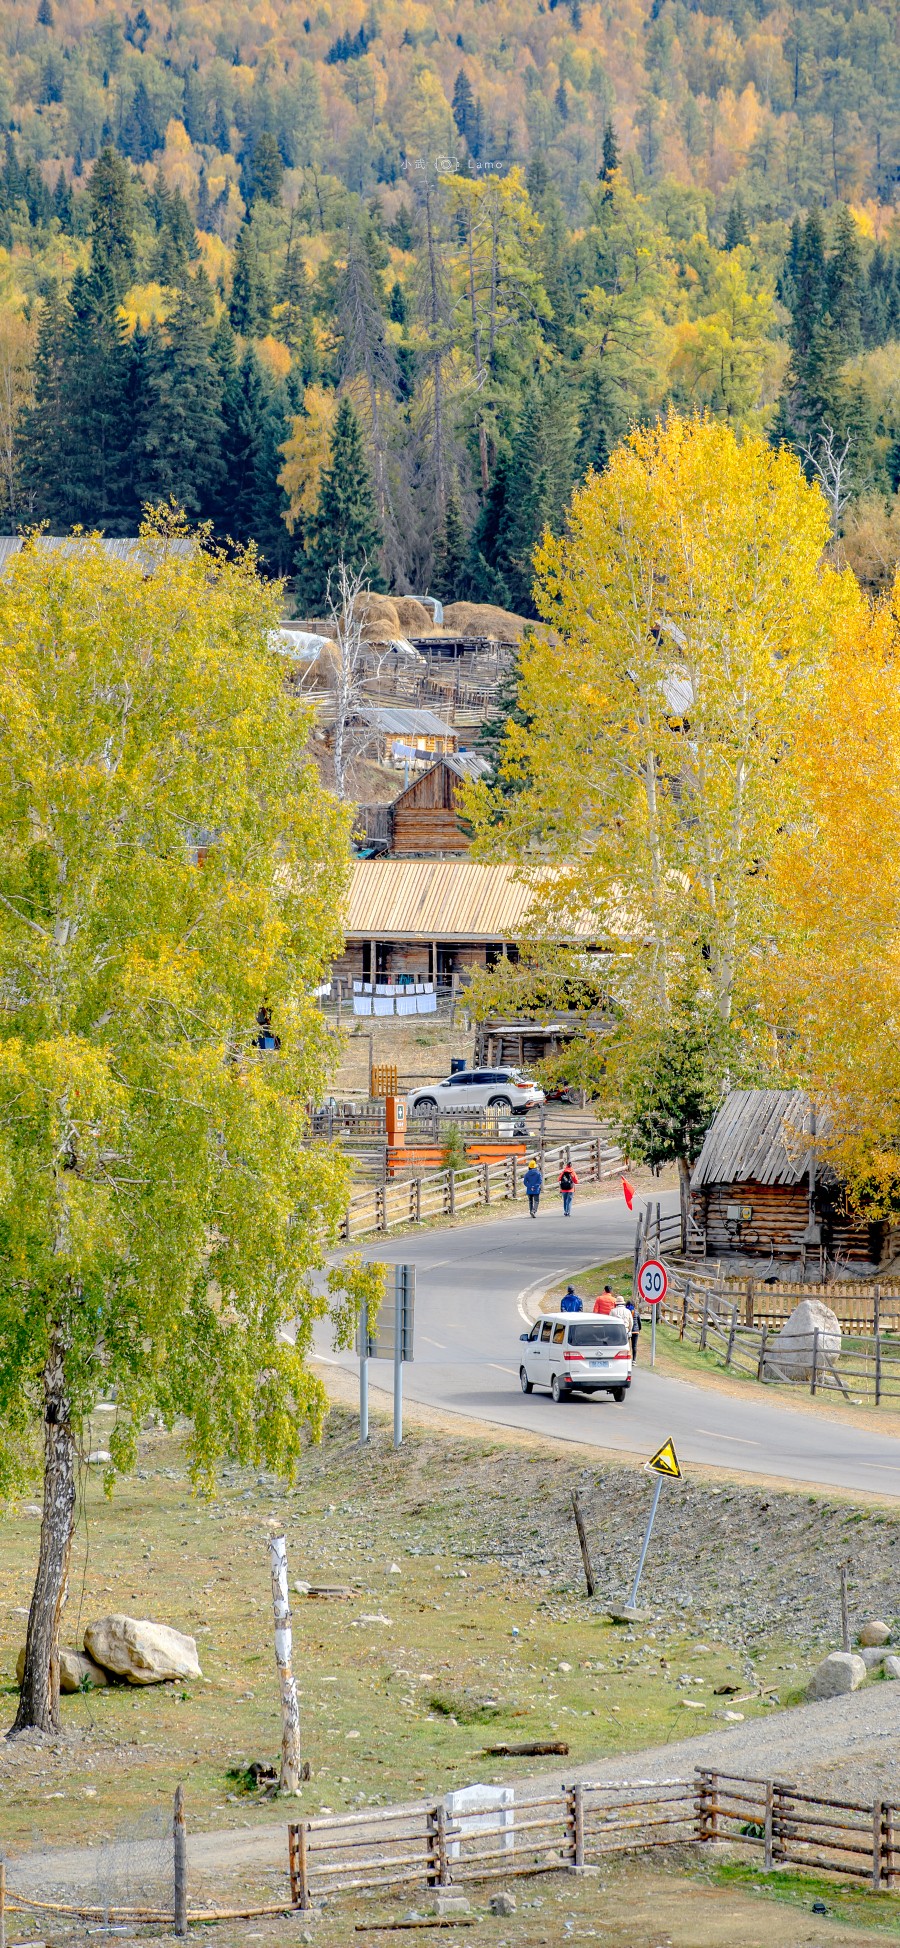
x=567 y=1182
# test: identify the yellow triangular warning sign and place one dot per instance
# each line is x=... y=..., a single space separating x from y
x=665 y=1461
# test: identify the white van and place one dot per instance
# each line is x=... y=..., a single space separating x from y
x=576 y=1352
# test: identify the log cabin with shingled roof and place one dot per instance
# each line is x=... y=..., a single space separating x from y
x=761 y=1190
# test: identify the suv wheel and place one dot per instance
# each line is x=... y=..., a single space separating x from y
x=424 y=1102
x=524 y=1381
x=556 y=1389
x=618 y=1394
x=499 y=1102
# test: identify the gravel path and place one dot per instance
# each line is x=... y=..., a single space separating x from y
x=847 y=1748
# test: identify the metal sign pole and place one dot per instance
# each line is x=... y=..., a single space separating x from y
x=399 y=1293
x=632 y=1600
x=653 y=1336
x=364 y=1375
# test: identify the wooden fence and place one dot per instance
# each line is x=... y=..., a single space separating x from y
x=443 y=1193
x=865 y=1368
x=577 y=1826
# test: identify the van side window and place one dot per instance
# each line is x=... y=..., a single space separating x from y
x=545 y=1331
x=535 y=1332
x=559 y=1332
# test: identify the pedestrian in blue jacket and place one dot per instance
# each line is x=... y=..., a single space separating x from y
x=534 y=1184
x=570 y=1302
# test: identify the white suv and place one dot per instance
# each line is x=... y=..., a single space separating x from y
x=478 y=1089
x=574 y=1352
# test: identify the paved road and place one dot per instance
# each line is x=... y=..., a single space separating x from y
x=468 y=1284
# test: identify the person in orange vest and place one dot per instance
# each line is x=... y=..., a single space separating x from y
x=605 y=1302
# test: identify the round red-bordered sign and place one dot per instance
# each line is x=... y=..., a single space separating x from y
x=653 y=1282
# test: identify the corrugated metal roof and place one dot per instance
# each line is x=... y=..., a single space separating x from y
x=435 y=899
x=406 y=723
x=745 y=1142
x=124 y=548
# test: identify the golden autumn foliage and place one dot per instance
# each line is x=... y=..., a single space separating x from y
x=692 y=618
x=834 y=981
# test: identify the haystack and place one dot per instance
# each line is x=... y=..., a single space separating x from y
x=483 y=619
x=415 y=619
x=381 y=620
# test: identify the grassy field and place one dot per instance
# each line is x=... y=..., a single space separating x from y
x=442 y=1649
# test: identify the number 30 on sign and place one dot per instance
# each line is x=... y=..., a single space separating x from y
x=653 y=1282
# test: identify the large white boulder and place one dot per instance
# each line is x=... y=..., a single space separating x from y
x=76 y=1672
x=791 y=1351
x=843 y=1671
x=142 y=1652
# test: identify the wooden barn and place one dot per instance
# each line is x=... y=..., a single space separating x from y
x=759 y=1190
x=425 y=817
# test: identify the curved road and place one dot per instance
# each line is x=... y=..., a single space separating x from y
x=469 y=1284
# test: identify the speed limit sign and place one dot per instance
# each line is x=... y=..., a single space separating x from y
x=653 y=1282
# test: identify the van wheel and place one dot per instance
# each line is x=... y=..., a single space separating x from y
x=556 y=1389
x=499 y=1102
x=524 y=1381
x=618 y=1393
x=424 y=1102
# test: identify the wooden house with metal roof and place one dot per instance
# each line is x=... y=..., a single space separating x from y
x=760 y=1188
x=425 y=817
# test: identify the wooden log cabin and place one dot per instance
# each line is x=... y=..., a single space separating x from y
x=759 y=1190
x=426 y=820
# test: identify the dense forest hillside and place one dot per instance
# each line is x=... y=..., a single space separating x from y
x=388 y=281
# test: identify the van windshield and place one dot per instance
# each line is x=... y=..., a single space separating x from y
x=598 y=1332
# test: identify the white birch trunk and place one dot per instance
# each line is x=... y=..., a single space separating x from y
x=292 y=1769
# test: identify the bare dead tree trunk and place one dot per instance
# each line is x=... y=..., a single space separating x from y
x=480 y=373
x=437 y=361
x=39 y=1697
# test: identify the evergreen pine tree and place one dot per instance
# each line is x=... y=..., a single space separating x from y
x=451 y=558
x=267 y=169
x=63 y=204
x=256 y=426
x=112 y=219
x=176 y=243
x=737 y=229
x=187 y=429
x=844 y=283
x=611 y=158
x=345 y=523
x=44 y=431
x=251 y=303
x=485 y=580
x=147 y=433
x=463 y=103
x=541 y=473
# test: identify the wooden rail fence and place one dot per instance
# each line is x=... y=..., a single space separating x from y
x=866 y=1368
x=442 y=1193
x=576 y=1826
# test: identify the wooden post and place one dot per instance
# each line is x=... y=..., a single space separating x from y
x=888 y=1831
x=877 y=1324
x=515 y=1177
x=748 y=1304
x=815 y=1362
x=761 y=1368
x=707 y=1806
x=2 y=1905
x=731 y=1332
x=487 y=1182
x=443 y=1862
x=877 y=1843
x=575 y=1810
x=451 y=1186
x=704 y=1320
x=179 y=1846
x=585 y=1550
x=845 y=1612
x=292 y=1769
x=770 y=1807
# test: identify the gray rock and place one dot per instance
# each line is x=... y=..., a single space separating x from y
x=76 y=1672
x=142 y=1652
x=843 y=1671
x=791 y=1351
x=874 y=1633
x=873 y=1658
x=449 y=1903
x=891 y=1667
x=502 y=1904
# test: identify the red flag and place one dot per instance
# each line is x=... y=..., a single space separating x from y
x=629 y=1192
